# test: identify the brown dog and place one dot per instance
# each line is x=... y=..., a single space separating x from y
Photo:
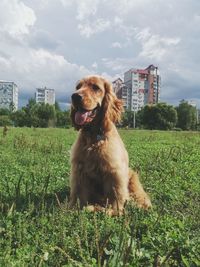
x=100 y=173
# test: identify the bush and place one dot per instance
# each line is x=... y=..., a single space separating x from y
x=5 y=120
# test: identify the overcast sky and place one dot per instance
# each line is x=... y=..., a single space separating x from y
x=54 y=43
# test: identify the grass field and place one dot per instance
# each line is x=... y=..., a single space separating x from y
x=37 y=228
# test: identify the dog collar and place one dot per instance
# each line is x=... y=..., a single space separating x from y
x=100 y=137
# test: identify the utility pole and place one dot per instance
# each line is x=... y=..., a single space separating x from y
x=134 y=118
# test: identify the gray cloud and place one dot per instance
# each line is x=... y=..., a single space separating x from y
x=43 y=39
x=56 y=42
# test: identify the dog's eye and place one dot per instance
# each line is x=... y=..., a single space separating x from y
x=95 y=87
x=78 y=86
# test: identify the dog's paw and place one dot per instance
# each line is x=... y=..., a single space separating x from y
x=90 y=208
x=94 y=208
x=144 y=203
x=108 y=211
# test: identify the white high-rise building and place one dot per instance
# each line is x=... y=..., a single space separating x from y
x=143 y=87
x=192 y=103
x=45 y=95
x=8 y=95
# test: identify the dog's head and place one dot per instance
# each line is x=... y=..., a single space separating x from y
x=94 y=103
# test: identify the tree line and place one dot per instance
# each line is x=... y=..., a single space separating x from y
x=160 y=116
x=36 y=115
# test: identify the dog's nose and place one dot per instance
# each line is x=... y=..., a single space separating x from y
x=76 y=98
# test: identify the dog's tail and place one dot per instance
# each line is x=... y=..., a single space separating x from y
x=137 y=192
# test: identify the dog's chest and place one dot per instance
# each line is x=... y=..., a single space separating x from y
x=91 y=158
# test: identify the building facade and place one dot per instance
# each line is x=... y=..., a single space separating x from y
x=45 y=95
x=143 y=87
x=120 y=90
x=8 y=95
x=192 y=103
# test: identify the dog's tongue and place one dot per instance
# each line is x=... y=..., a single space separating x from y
x=81 y=117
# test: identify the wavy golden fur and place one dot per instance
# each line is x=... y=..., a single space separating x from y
x=100 y=173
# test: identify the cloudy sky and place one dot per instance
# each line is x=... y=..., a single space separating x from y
x=54 y=43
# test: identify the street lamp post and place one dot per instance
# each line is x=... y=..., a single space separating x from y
x=134 y=118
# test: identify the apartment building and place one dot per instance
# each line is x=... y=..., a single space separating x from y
x=192 y=103
x=45 y=95
x=120 y=90
x=8 y=95
x=143 y=87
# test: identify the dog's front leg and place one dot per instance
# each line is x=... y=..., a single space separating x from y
x=79 y=189
x=116 y=191
x=79 y=196
x=73 y=192
x=120 y=197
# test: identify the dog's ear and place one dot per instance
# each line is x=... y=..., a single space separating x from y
x=112 y=106
x=72 y=116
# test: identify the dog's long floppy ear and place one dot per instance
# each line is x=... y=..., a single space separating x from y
x=112 y=106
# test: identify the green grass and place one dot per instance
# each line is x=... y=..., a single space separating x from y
x=37 y=228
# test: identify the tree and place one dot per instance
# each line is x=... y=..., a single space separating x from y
x=41 y=115
x=57 y=106
x=46 y=115
x=160 y=116
x=30 y=110
x=186 y=116
x=63 y=118
x=19 y=118
x=12 y=107
x=5 y=120
x=4 y=111
x=139 y=119
x=127 y=118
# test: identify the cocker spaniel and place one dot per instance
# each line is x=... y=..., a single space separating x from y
x=100 y=174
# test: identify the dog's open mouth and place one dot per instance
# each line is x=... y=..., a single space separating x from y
x=83 y=116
